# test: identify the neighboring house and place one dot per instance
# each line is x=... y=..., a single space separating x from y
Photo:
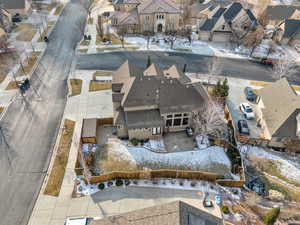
x=174 y=213
x=153 y=102
x=228 y=24
x=277 y=14
x=3 y=39
x=137 y=16
x=279 y=113
x=5 y=20
x=291 y=32
x=23 y=7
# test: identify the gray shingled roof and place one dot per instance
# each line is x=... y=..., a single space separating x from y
x=174 y=213
x=232 y=11
x=13 y=4
x=210 y=23
x=281 y=12
x=291 y=27
x=143 y=119
x=251 y=15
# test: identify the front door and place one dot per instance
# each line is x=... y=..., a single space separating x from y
x=159 y=28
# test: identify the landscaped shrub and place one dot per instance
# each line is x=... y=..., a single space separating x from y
x=134 y=141
x=225 y=209
x=193 y=183
x=101 y=186
x=109 y=183
x=181 y=183
x=127 y=182
x=271 y=216
x=135 y=181
x=164 y=182
x=119 y=182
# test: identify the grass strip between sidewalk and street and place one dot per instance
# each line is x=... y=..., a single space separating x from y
x=99 y=86
x=76 y=85
x=11 y=85
x=28 y=64
x=56 y=176
x=45 y=33
x=58 y=9
x=1 y=109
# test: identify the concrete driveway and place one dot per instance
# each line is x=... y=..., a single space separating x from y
x=235 y=98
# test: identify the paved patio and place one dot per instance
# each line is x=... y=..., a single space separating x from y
x=179 y=142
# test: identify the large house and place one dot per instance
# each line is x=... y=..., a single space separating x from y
x=138 y=16
x=277 y=14
x=174 y=213
x=279 y=113
x=227 y=24
x=152 y=102
x=291 y=32
x=23 y=7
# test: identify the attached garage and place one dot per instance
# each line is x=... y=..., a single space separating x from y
x=204 y=35
x=221 y=36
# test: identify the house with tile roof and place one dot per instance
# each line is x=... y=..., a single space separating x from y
x=228 y=24
x=173 y=213
x=148 y=103
x=138 y=16
x=279 y=113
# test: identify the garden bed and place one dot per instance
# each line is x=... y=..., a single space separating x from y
x=76 y=85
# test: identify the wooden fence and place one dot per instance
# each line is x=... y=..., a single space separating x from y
x=152 y=174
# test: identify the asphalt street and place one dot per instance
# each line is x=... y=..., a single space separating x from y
x=29 y=128
x=231 y=67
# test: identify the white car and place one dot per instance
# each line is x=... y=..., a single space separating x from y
x=247 y=111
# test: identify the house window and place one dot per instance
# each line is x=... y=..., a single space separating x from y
x=185 y=121
x=178 y=115
x=147 y=18
x=177 y=122
x=168 y=123
x=185 y=114
x=169 y=116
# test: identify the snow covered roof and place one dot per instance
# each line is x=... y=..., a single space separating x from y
x=175 y=213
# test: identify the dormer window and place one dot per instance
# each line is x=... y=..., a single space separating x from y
x=160 y=16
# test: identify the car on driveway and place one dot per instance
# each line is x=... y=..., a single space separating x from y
x=250 y=96
x=243 y=127
x=247 y=111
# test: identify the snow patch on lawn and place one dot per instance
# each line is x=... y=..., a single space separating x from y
x=212 y=159
x=288 y=168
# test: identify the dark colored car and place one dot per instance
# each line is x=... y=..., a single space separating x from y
x=243 y=127
x=269 y=62
x=16 y=18
x=250 y=96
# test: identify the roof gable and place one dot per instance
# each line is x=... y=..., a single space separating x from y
x=153 y=6
x=280 y=101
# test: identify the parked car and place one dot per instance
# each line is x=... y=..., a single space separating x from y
x=250 y=96
x=16 y=18
x=243 y=127
x=269 y=62
x=247 y=111
x=207 y=203
x=189 y=131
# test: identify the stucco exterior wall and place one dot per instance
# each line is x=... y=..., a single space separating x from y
x=122 y=131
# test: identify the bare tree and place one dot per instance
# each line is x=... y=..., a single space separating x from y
x=187 y=33
x=172 y=36
x=148 y=35
x=214 y=67
x=254 y=38
x=121 y=31
x=210 y=121
x=284 y=67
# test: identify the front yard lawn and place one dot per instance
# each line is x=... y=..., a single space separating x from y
x=99 y=86
x=112 y=37
x=45 y=33
x=61 y=159
x=11 y=85
x=76 y=85
x=85 y=43
x=1 y=109
x=58 y=9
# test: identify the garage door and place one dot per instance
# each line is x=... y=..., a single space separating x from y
x=221 y=37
